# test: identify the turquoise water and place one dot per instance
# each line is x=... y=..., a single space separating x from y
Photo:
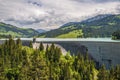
x=72 y=39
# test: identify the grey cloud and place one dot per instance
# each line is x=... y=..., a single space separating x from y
x=26 y=22
x=35 y=3
x=50 y=14
x=98 y=1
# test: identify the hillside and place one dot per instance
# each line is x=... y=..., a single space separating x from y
x=40 y=30
x=7 y=29
x=98 y=26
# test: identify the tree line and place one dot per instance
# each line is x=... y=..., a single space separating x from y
x=116 y=35
x=19 y=62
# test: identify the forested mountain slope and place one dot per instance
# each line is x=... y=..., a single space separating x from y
x=98 y=26
x=7 y=29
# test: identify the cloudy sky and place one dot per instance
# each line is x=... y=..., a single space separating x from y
x=51 y=14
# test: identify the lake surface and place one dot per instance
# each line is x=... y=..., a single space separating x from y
x=70 y=39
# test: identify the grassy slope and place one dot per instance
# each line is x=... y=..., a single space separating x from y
x=7 y=29
x=72 y=34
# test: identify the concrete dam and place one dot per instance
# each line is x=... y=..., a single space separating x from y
x=102 y=50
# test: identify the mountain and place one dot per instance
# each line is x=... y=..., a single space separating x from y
x=7 y=29
x=40 y=30
x=98 y=26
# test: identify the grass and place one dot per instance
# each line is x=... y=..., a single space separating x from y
x=73 y=34
x=69 y=27
x=43 y=36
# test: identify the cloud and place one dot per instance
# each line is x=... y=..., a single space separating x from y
x=51 y=14
x=98 y=1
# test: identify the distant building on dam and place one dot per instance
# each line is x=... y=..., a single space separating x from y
x=102 y=50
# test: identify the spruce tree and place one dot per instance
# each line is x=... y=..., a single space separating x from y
x=30 y=44
x=41 y=47
x=112 y=74
x=40 y=68
x=117 y=72
x=103 y=74
x=47 y=52
x=19 y=43
x=57 y=54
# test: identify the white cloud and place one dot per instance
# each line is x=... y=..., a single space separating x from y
x=50 y=14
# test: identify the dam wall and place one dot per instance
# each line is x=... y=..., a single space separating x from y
x=107 y=53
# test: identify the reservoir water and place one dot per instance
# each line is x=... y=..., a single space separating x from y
x=73 y=39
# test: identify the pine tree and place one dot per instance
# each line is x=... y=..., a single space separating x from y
x=47 y=52
x=52 y=47
x=19 y=43
x=57 y=54
x=117 y=72
x=112 y=74
x=39 y=67
x=51 y=53
x=30 y=44
x=67 y=72
x=103 y=74
x=41 y=47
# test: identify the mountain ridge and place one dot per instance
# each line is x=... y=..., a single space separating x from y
x=8 y=29
x=92 y=27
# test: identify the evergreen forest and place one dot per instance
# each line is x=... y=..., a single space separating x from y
x=116 y=35
x=18 y=62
